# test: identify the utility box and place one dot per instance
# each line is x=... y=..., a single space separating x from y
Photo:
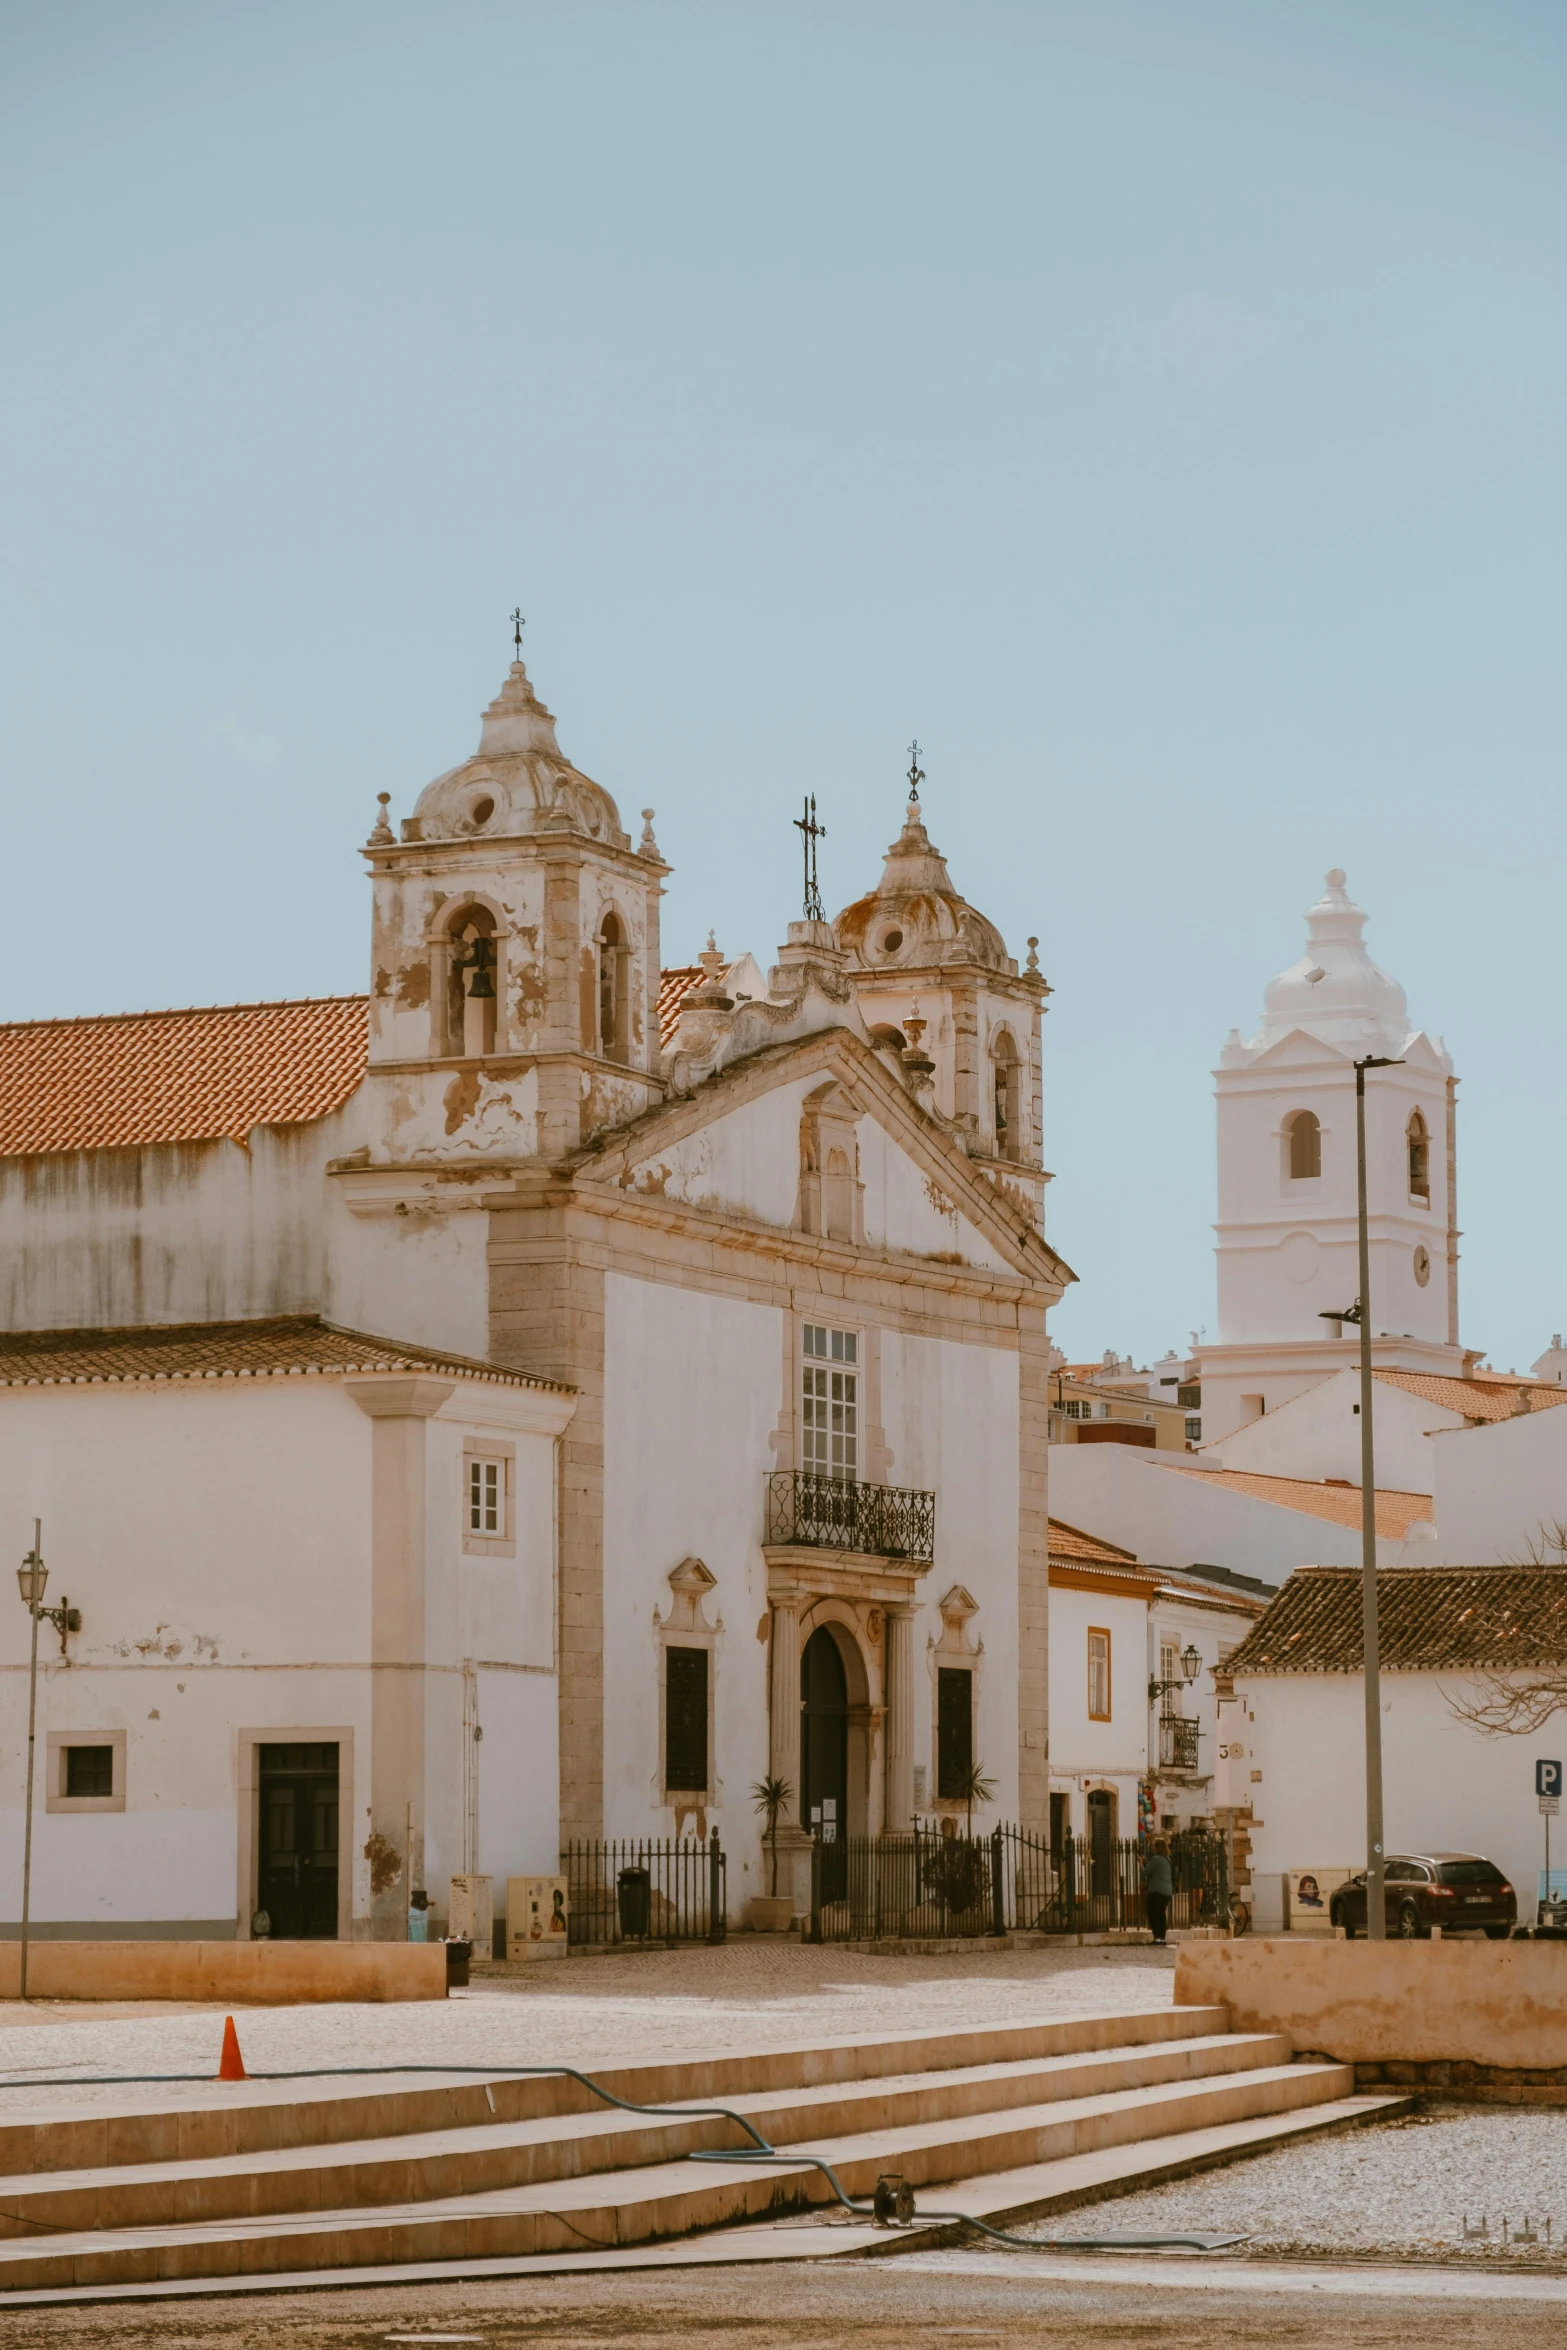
x=471 y=1915
x=536 y=1917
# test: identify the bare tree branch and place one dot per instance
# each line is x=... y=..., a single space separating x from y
x=1515 y=1705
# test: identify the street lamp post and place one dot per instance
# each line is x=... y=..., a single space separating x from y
x=31 y=1577
x=1376 y=1903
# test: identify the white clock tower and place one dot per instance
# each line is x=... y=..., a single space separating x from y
x=1287 y=1188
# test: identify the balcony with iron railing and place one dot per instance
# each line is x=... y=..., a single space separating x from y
x=809 y=1511
x=1178 y=1743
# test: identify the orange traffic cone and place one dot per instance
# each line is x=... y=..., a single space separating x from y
x=231 y=2065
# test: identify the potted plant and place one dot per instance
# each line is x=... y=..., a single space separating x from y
x=771 y=1912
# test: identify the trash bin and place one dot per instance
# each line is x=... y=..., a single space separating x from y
x=458 y=1953
x=634 y=1893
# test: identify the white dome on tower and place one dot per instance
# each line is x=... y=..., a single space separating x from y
x=1333 y=991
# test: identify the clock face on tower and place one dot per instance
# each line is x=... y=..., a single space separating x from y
x=1422 y=1266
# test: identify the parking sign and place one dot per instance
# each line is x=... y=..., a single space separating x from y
x=1548 y=1778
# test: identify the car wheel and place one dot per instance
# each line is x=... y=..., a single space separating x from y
x=1409 y=1926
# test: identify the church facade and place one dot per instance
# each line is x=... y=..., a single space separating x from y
x=539 y=1400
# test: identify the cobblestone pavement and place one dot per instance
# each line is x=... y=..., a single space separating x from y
x=1400 y=2189
x=584 y=2011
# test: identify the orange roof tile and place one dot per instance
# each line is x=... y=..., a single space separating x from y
x=130 y=1078
x=1431 y=1620
x=282 y=1347
x=1483 y=1398
x=1338 y=1505
x=674 y=983
x=1070 y=1542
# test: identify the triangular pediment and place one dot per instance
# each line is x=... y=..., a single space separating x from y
x=1300 y=1050
x=736 y=1148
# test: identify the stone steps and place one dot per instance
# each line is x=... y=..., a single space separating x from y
x=598 y=2210
x=443 y=2164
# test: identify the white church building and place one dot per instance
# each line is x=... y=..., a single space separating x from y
x=533 y=1401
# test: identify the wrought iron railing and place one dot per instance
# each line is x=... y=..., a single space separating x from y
x=672 y=1890
x=924 y=1885
x=829 y=1513
x=1178 y=1743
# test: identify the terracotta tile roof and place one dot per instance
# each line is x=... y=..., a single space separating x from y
x=1429 y=1619
x=674 y=982
x=1070 y=1542
x=148 y=1077
x=1484 y=1398
x=282 y=1348
x=1338 y=1505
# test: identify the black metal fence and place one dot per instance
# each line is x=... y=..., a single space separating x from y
x=831 y=1513
x=671 y=1890
x=927 y=1886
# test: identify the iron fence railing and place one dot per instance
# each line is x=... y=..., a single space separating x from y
x=672 y=1890
x=1178 y=1743
x=925 y=1885
x=831 y=1513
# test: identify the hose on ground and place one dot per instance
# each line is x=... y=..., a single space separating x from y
x=895 y=2209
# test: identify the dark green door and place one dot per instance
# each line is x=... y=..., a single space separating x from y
x=296 y=1879
x=824 y=1756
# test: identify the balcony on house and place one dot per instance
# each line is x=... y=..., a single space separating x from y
x=1177 y=1743
x=810 y=1511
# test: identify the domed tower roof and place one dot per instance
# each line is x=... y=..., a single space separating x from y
x=914 y=916
x=518 y=781
x=1334 y=991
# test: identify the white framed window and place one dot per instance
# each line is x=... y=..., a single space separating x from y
x=1098 y=1674
x=86 y=1771
x=488 y=1473
x=830 y=1404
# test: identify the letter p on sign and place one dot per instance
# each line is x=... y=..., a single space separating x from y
x=1548 y=1778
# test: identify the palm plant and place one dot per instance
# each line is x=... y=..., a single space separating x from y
x=771 y=1796
x=974 y=1787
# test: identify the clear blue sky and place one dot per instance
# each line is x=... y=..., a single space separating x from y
x=1157 y=409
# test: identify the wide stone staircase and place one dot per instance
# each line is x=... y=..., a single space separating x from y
x=266 y=2183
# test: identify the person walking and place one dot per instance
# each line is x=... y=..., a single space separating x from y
x=1158 y=1888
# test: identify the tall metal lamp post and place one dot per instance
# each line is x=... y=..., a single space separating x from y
x=1360 y=1311
x=31 y=1577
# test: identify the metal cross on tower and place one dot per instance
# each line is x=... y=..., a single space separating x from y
x=916 y=771
x=518 y=624
x=810 y=833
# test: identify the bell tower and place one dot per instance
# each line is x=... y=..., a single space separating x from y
x=1288 y=1192
x=515 y=955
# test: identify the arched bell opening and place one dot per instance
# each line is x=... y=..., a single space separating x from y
x=614 y=990
x=1006 y=1096
x=470 y=950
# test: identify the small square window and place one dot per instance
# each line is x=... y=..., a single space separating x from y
x=89 y=1770
x=85 y=1771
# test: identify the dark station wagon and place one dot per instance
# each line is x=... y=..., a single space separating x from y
x=1452 y=1890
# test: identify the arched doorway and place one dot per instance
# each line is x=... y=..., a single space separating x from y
x=824 y=1752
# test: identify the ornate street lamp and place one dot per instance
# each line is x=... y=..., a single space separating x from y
x=31 y=1578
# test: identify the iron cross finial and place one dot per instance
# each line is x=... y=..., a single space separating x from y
x=916 y=771
x=518 y=624
x=810 y=833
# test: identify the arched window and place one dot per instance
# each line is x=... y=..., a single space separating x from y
x=614 y=991
x=472 y=994
x=1007 y=1097
x=1419 y=1159
x=1305 y=1146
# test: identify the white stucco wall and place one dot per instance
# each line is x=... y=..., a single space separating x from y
x=1170 y=1519
x=1318 y=1435
x=217 y=1539
x=950 y=1413
x=907 y=1210
x=1445 y=1786
x=1081 y=1750
x=693 y=1391
x=1500 y=1490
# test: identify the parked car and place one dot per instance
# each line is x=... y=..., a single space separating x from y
x=1426 y=1889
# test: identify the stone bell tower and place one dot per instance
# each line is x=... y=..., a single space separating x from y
x=933 y=975
x=515 y=955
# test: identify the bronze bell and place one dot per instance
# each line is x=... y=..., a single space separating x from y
x=483 y=955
